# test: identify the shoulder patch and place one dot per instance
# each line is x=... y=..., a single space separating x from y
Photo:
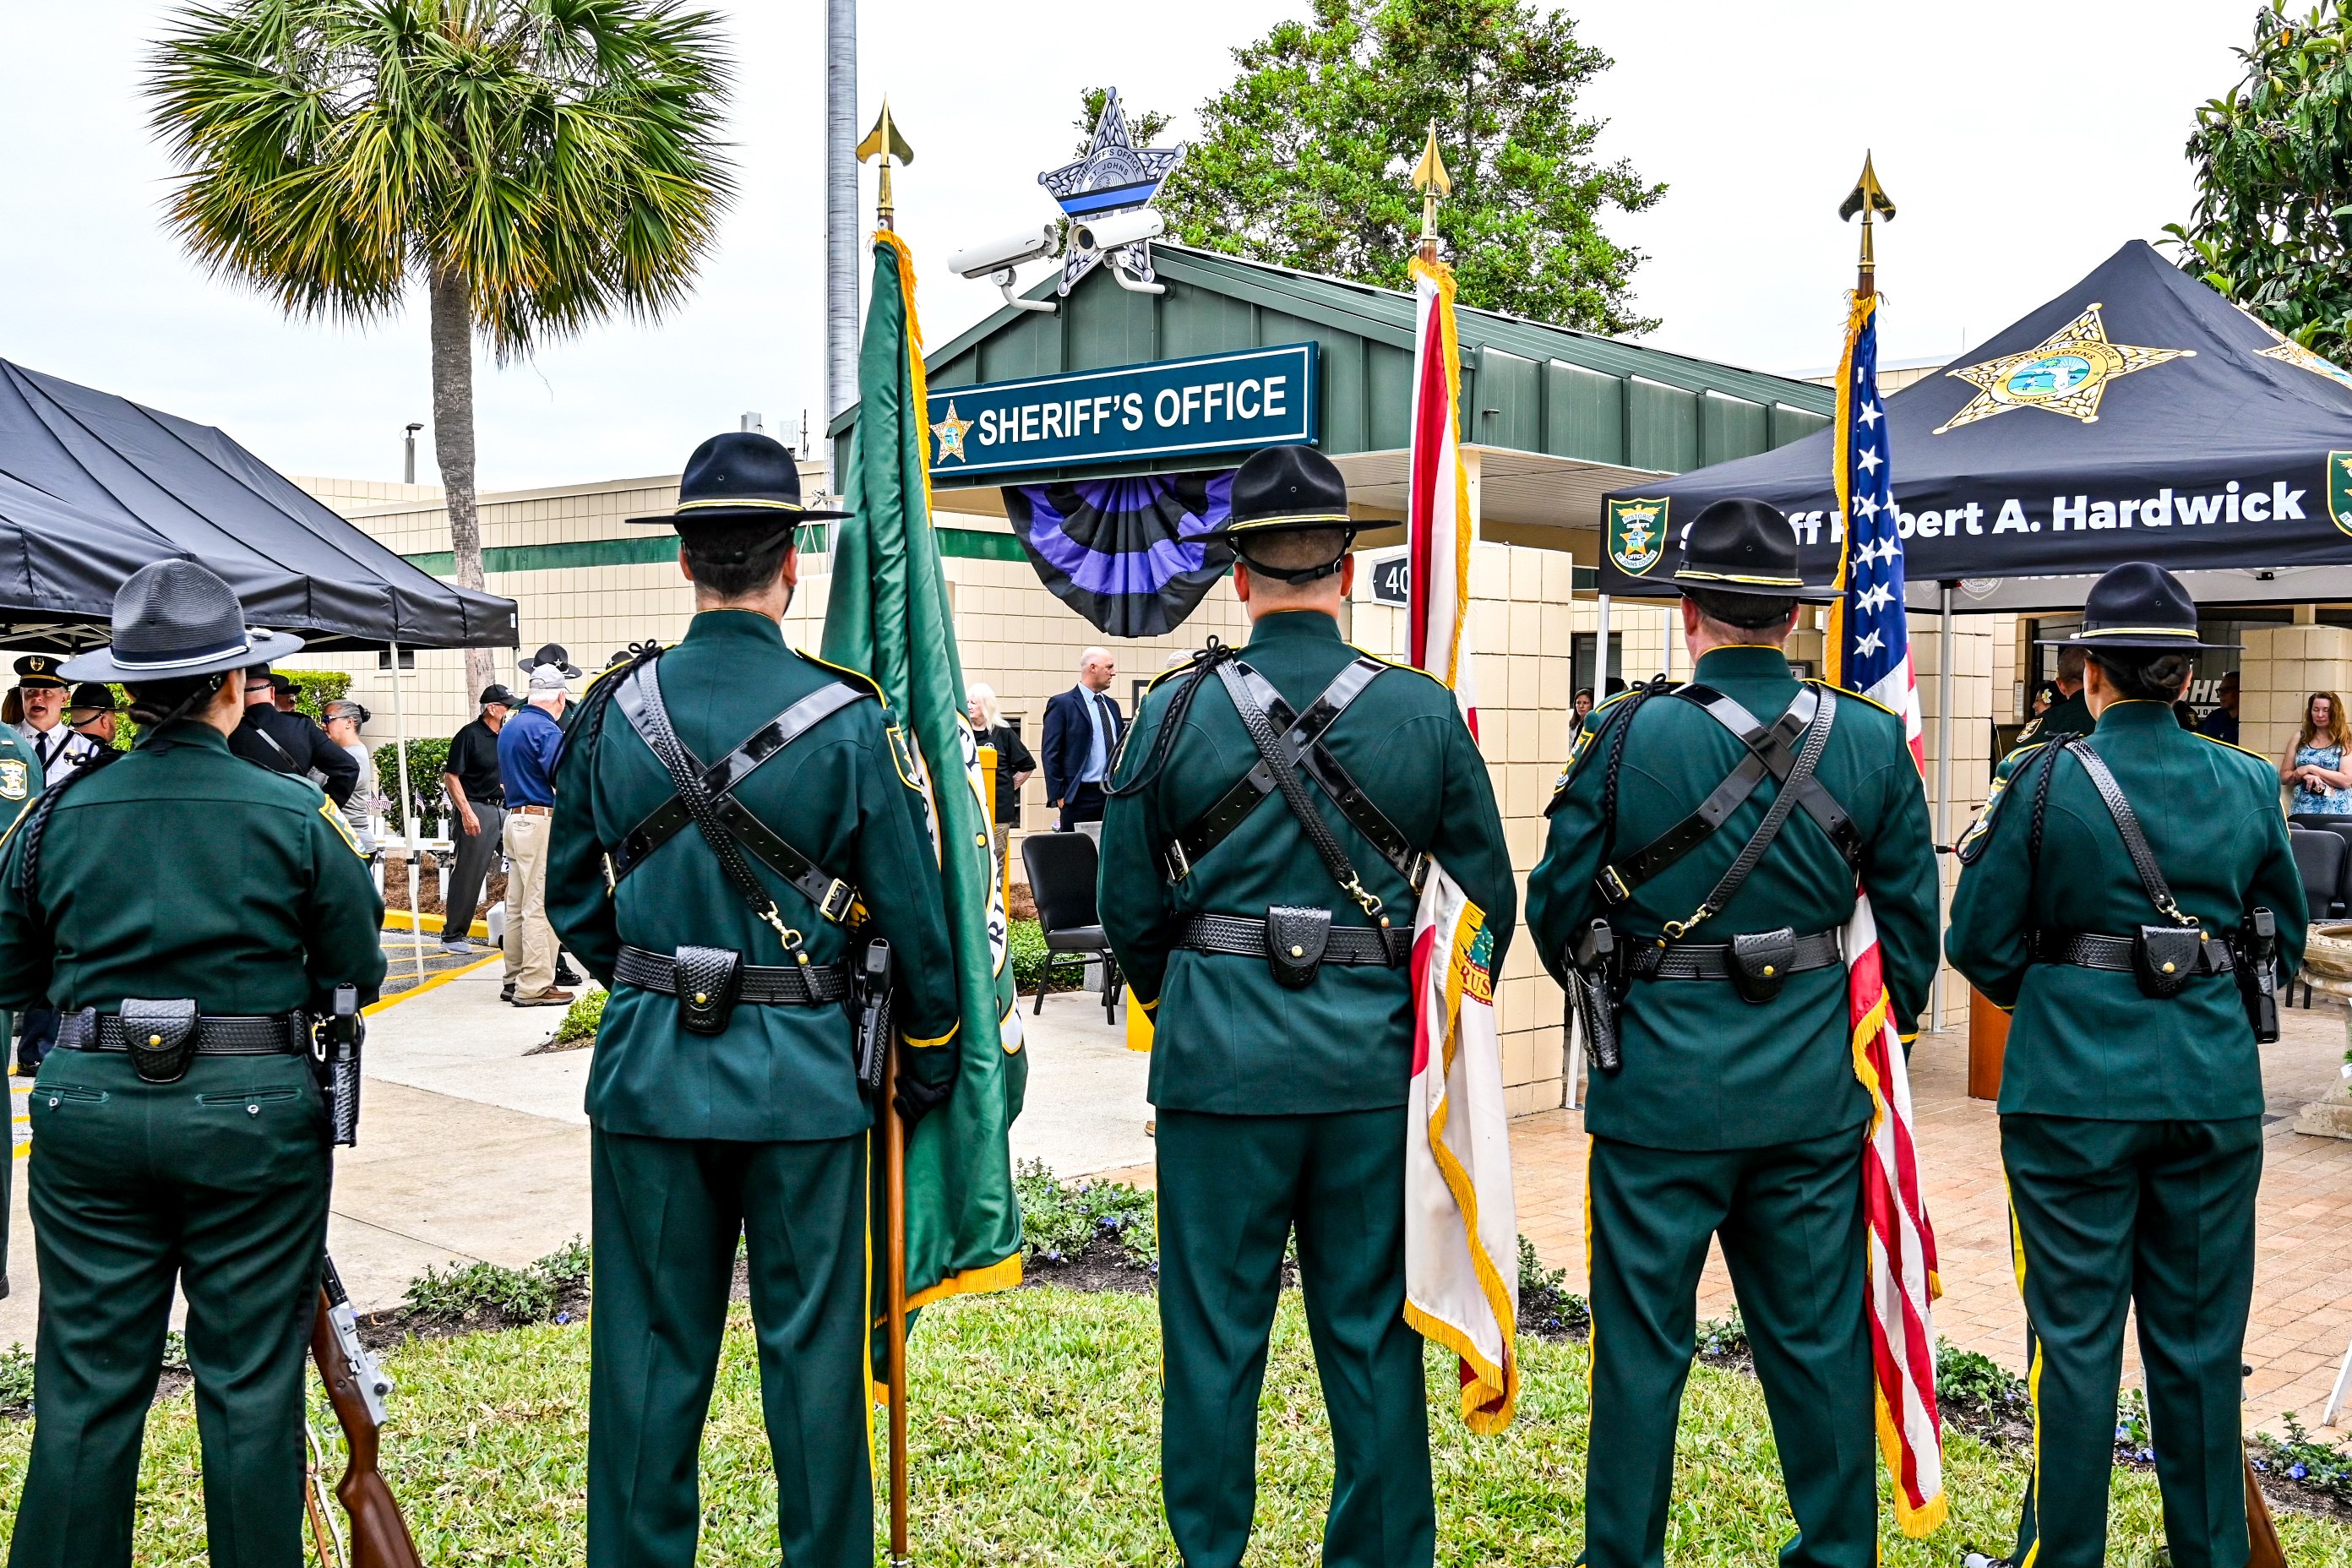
x=15 y=779
x=327 y=809
x=858 y=677
x=902 y=755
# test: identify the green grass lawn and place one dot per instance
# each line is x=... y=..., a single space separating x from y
x=1037 y=1441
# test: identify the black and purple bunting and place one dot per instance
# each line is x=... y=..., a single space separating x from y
x=1125 y=553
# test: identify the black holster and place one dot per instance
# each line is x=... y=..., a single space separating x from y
x=1596 y=965
x=335 y=1042
x=871 y=996
x=2256 y=968
x=162 y=1035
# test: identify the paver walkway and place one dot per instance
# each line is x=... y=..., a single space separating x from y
x=2302 y=1277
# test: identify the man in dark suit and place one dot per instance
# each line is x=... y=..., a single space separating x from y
x=1082 y=730
x=289 y=743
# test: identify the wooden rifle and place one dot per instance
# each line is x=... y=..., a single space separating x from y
x=356 y=1387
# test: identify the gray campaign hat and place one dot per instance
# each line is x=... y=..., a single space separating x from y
x=174 y=620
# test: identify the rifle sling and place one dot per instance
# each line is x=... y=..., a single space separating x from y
x=638 y=695
x=1301 y=744
x=1771 y=749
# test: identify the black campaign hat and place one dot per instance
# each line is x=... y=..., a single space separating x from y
x=739 y=477
x=2138 y=606
x=1282 y=490
x=1740 y=545
x=174 y=620
x=38 y=670
x=90 y=694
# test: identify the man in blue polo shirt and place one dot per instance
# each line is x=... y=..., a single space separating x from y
x=529 y=745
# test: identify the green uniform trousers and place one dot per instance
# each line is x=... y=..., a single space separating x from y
x=2106 y=1214
x=668 y=1214
x=1789 y=1218
x=218 y=1182
x=1231 y=1188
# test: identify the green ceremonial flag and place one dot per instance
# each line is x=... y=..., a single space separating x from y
x=888 y=615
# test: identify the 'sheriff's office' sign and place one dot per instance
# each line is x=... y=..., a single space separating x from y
x=1216 y=403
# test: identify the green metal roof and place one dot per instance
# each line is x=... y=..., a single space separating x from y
x=1524 y=384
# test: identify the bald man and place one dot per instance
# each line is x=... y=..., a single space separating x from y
x=1082 y=730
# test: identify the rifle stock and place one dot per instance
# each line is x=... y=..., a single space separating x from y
x=379 y=1535
x=2263 y=1549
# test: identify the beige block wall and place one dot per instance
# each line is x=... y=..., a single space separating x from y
x=2280 y=667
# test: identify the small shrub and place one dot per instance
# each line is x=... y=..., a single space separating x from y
x=1546 y=1306
x=1032 y=959
x=1723 y=1339
x=1059 y=1219
x=16 y=1378
x=2132 y=1439
x=582 y=1017
x=2322 y=1468
x=532 y=1294
x=427 y=759
x=1967 y=1379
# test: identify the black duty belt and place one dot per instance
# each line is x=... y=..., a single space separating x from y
x=779 y=985
x=1712 y=960
x=832 y=896
x=266 y=1035
x=1302 y=741
x=2092 y=950
x=1240 y=936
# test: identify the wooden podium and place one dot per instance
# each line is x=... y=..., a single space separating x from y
x=1988 y=1043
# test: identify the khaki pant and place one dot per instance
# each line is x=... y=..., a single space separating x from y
x=530 y=941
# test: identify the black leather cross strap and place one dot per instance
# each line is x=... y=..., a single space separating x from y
x=2136 y=844
x=1254 y=717
x=1238 y=936
x=263 y=1034
x=1302 y=743
x=1771 y=749
x=775 y=985
x=640 y=701
x=2093 y=950
x=1712 y=960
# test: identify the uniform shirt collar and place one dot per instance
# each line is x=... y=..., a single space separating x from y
x=189 y=732
x=1295 y=624
x=2133 y=714
x=738 y=626
x=1742 y=661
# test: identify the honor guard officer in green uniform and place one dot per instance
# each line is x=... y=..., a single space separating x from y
x=758 y=830
x=191 y=913
x=2123 y=895
x=1703 y=855
x=20 y=782
x=1271 y=948
x=2070 y=713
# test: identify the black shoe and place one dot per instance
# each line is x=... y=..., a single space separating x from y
x=28 y=1069
x=506 y=992
x=1979 y=1559
x=565 y=974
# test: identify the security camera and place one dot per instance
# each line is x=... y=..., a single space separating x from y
x=998 y=256
x=1115 y=229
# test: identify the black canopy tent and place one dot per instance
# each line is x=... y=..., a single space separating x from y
x=93 y=487
x=2138 y=415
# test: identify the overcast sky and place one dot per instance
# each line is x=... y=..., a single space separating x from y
x=2025 y=139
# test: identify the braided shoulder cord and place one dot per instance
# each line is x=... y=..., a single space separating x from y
x=1622 y=723
x=1180 y=707
x=29 y=867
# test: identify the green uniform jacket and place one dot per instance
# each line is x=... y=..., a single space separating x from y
x=2066 y=716
x=776 y=1074
x=2085 y=1042
x=183 y=870
x=1704 y=1069
x=1229 y=1040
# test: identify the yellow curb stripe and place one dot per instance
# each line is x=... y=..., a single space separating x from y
x=397 y=919
x=433 y=984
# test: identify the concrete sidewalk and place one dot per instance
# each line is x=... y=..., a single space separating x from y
x=471 y=1148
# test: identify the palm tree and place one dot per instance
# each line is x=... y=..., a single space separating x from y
x=538 y=164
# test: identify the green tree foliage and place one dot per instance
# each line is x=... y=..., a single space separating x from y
x=2273 y=228
x=537 y=165
x=1304 y=160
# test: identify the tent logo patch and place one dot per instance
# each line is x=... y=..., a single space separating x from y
x=2066 y=372
x=2339 y=488
x=1637 y=531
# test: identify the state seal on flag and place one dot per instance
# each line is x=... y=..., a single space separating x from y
x=1637 y=531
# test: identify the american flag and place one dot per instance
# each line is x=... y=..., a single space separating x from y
x=1869 y=651
x=1870 y=634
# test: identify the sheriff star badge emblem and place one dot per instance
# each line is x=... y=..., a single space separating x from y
x=2066 y=372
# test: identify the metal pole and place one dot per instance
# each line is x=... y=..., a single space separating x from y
x=895 y=1176
x=1600 y=649
x=409 y=809
x=408 y=457
x=1943 y=768
x=841 y=215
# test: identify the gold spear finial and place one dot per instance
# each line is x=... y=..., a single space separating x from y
x=1430 y=178
x=885 y=142
x=1871 y=201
